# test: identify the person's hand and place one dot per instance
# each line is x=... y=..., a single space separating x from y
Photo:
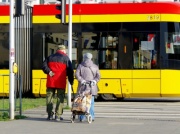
x=51 y=74
x=93 y=82
x=83 y=82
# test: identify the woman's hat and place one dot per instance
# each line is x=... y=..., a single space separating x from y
x=87 y=56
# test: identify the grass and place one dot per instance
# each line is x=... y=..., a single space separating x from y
x=27 y=103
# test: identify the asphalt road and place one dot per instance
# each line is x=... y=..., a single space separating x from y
x=127 y=117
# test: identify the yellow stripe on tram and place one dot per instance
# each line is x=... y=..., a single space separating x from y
x=111 y=18
x=4 y=19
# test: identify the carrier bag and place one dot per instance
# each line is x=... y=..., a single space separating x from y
x=88 y=103
x=79 y=104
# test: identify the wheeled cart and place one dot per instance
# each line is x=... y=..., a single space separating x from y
x=82 y=103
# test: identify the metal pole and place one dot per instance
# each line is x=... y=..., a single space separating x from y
x=11 y=59
x=41 y=1
x=70 y=47
x=43 y=43
x=20 y=95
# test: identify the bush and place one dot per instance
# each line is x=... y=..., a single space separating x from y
x=4 y=116
x=20 y=117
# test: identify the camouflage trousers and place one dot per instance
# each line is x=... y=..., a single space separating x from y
x=50 y=95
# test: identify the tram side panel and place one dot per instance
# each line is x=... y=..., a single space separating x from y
x=4 y=83
x=152 y=83
x=170 y=84
x=120 y=83
x=107 y=85
x=146 y=83
x=116 y=82
x=39 y=83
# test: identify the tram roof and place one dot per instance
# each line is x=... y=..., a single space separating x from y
x=106 y=12
x=114 y=8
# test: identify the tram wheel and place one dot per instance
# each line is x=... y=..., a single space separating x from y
x=107 y=97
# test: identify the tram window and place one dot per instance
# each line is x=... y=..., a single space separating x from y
x=89 y=40
x=103 y=47
x=172 y=46
x=144 y=53
x=99 y=40
x=57 y=40
x=43 y=47
x=94 y=53
x=135 y=43
x=4 y=50
x=108 y=52
x=51 y=51
x=108 y=59
x=90 y=43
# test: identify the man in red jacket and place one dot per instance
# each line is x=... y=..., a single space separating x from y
x=57 y=66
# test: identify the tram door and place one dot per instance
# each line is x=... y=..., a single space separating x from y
x=125 y=51
x=145 y=78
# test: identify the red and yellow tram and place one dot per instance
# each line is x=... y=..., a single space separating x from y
x=135 y=45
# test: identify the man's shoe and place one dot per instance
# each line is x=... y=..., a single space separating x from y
x=50 y=117
x=58 y=119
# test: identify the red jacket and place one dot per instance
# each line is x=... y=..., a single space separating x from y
x=60 y=64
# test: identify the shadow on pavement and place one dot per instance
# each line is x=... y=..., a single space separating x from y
x=142 y=100
x=45 y=120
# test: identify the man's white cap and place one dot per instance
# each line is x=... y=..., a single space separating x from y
x=61 y=47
